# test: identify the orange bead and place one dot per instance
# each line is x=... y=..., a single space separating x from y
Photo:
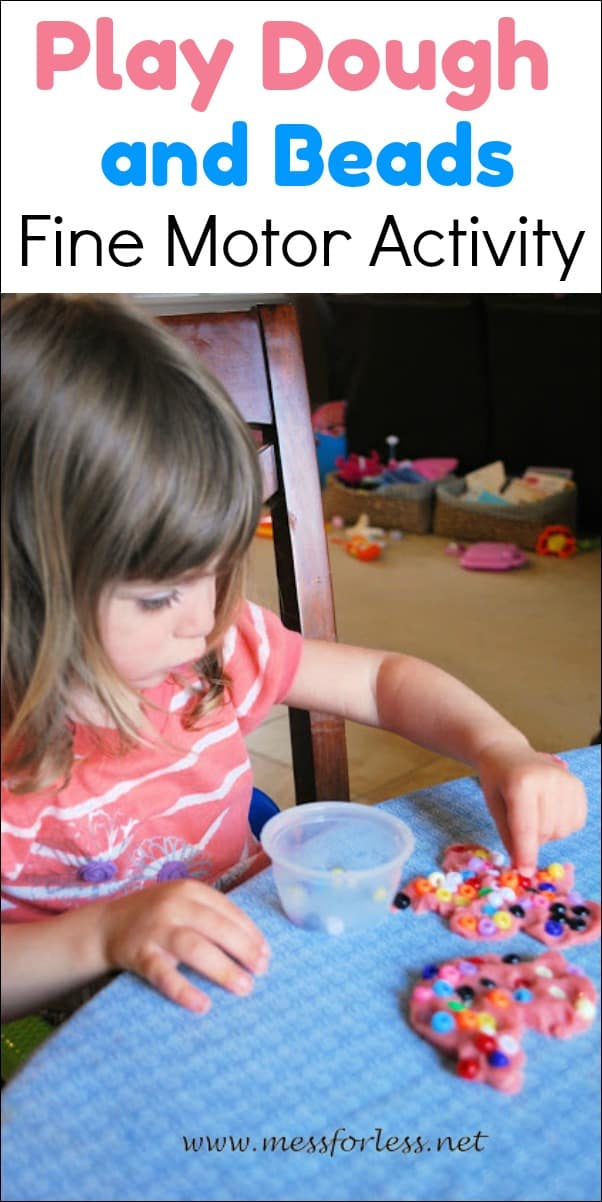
x=467 y=1020
x=468 y=922
x=422 y=886
x=510 y=879
x=498 y=997
x=467 y=891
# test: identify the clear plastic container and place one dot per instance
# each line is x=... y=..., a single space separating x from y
x=337 y=865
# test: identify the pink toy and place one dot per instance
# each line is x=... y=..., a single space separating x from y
x=492 y=557
x=477 y=1009
x=434 y=469
x=487 y=901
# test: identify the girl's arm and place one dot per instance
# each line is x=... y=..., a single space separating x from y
x=149 y=933
x=531 y=796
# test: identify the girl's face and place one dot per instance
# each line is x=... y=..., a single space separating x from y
x=149 y=629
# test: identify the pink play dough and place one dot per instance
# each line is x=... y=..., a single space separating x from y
x=477 y=1008
x=486 y=900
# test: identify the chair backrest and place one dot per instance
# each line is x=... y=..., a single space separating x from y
x=256 y=353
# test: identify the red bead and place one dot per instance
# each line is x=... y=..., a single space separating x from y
x=525 y=881
x=485 y=1043
x=468 y=1068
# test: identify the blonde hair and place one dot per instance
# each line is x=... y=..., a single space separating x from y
x=122 y=459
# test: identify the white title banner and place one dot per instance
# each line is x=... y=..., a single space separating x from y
x=300 y=147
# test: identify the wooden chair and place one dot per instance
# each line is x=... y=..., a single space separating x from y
x=256 y=353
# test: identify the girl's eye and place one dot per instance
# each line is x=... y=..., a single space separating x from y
x=152 y=603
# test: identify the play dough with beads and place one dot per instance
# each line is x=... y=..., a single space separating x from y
x=477 y=1009
x=484 y=899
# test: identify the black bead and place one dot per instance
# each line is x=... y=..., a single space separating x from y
x=401 y=901
x=557 y=909
x=512 y=957
x=580 y=911
x=465 y=992
x=518 y=912
x=487 y=983
x=577 y=924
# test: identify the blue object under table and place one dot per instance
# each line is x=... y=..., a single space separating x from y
x=135 y=1098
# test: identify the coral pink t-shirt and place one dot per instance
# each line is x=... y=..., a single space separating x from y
x=176 y=809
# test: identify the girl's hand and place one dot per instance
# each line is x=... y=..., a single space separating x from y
x=532 y=797
x=151 y=932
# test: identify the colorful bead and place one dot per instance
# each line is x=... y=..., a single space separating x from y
x=452 y=880
x=556 y=871
x=468 y=968
x=498 y=1060
x=481 y=853
x=556 y=991
x=498 y=858
x=443 y=895
x=508 y=894
x=523 y=995
x=442 y=1021
x=451 y=973
x=401 y=901
x=499 y=997
x=422 y=886
x=467 y=1020
x=511 y=958
x=466 y=992
x=554 y=928
x=547 y=887
x=442 y=988
x=454 y=1005
x=510 y=878
x=468 y=1068
x=429 y=971
x=581 y=911
x=486 y=927
x=503 y=920
x=487 y=1022
x=436 y=879
x=485 y=890
x=485 y=1043
x=577 y=924
x=495 y=899
x=517 y=910
x=487 y=983
x=467 y=891
x=508 y=1044
x=468 y=922
x=542 y=970
x=422 y=993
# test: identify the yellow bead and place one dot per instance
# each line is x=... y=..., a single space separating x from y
x=503 y=920
x=556 y=871
x=444 y=895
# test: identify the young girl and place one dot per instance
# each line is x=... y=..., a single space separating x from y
x=133 y=668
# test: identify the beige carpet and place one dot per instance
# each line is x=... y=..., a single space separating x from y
x=528 y=641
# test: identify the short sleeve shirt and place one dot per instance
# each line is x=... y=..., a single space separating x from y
x=178 y=807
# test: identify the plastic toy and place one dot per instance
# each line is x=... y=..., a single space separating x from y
x=557 y=540
x=362 y=548
x=264 y=527
x=492 y=557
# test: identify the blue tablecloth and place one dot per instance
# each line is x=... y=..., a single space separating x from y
x=124 y=1099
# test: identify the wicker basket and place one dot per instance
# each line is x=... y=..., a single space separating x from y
x=410 y=509
x=521 y=524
